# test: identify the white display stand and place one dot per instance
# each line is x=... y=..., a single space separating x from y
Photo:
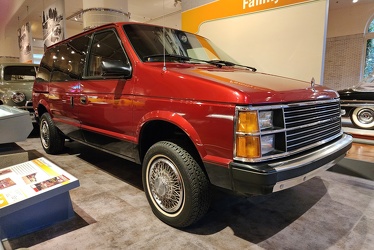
x=34 y=195
x=15 y=124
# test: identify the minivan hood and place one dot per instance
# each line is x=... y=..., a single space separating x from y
x=254 y=87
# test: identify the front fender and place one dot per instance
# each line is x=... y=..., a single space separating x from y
x=179 y=121
x=37 y=107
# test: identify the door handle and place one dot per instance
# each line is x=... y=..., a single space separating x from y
x=83 y=99
x=71 y=102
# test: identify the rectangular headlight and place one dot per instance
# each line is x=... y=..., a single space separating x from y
x=249 y=141
x=267 y=144
x=266 y=119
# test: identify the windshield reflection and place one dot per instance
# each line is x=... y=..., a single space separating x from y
x=150 y=40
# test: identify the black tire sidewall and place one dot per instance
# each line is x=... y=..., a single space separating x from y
x=56 y=140
x=191 y=175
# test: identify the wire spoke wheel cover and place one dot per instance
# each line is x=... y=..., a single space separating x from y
x=175 y=185
x=166 y=185
x=51 y=138
x=44 y=134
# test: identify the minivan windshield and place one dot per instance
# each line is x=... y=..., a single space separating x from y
x=152 y=42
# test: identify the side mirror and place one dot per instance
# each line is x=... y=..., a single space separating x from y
x=116 y=68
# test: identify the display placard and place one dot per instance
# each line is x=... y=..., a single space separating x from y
x=29 y=179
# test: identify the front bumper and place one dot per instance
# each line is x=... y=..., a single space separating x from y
x=265 y=178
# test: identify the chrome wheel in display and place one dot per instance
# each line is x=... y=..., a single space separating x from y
x=363 y=118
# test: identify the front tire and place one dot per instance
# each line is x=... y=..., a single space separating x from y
x=176 y=187
x=51 y=138
x=363 y=118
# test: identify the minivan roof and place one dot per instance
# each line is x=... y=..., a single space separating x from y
x=118 y=24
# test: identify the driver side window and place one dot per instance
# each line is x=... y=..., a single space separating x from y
x=106 y=46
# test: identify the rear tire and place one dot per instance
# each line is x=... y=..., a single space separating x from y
x=363 y=118
x=176 y=187
x=51 y=138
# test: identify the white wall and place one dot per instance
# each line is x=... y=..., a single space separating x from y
x=349 y=21
x=287 y=41
x=9 y=41
x=173 y=21
x=345 y=46
x=8 y=29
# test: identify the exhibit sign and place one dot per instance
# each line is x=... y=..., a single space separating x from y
x=32 y=178
x=54 y=23
x=25 y=43
x=193 y=18
x=280 y=37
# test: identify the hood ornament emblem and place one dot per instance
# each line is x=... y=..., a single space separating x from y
x=313 y=84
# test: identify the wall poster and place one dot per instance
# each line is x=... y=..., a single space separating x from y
x=54 y=23
x=25 y=43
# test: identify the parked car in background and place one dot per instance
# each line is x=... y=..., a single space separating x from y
x=185 y=111
x=358 y=103
x=16 y=81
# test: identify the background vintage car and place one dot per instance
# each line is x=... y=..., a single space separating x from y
x=358 y=102
x=16 y=81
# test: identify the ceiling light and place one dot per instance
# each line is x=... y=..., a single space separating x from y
x=354 y=1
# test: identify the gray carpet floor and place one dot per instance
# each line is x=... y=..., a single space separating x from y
x=333 y=211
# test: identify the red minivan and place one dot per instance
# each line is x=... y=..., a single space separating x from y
x=188 y=113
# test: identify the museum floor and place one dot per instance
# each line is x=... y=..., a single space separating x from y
x=333 y=211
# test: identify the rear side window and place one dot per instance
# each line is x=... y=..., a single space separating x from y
x=64 y=62
x=46 y=66
x=105 y=46
x=68 y=65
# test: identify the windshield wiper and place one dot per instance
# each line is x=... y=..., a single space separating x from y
x=227 y=63
x=174 y=56
x=180 y=58
x=218 y=63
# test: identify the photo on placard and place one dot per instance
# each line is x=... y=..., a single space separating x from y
x=7 y=182
x=50 y=183
x=31 y=178
x=5 y=171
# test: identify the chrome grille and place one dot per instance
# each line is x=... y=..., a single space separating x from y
x=296 y=127
x=311 y=123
